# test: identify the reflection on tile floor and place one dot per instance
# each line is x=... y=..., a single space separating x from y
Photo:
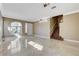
x=33 y=46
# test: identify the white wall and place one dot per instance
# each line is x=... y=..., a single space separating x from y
x=0 y=25
x=42 y=29
x=7 y=23
x=29 y=29
x=69 y=29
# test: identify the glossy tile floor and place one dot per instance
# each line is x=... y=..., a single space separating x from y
x=33 y=46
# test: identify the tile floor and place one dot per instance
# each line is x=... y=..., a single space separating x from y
x=33 y=46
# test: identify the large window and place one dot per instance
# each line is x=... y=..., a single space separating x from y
x=15 y=27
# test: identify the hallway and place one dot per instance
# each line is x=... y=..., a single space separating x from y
x=33 y=46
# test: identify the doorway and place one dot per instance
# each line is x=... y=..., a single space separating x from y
x=55 y=28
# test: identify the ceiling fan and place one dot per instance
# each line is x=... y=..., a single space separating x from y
x=46 y=4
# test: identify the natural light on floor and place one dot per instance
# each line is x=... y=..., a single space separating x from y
x=15 y=45
x=36 y=45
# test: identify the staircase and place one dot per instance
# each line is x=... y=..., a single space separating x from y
x=54 y=32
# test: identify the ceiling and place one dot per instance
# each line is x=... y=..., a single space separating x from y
x=34 y=11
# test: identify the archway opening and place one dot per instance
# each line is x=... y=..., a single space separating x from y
x=15 y=27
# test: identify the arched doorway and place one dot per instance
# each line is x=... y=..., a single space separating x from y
x=15 y=27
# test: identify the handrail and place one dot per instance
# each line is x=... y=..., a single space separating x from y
x=52 y=28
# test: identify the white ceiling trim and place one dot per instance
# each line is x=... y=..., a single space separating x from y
x=72 y=12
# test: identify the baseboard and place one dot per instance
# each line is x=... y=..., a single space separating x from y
x=42 y=36
x=70 y=40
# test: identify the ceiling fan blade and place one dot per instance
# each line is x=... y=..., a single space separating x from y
x=53 y=7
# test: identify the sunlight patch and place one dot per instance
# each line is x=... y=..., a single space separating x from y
x=36 y=45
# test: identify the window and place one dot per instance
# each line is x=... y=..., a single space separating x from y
x=15 y=27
